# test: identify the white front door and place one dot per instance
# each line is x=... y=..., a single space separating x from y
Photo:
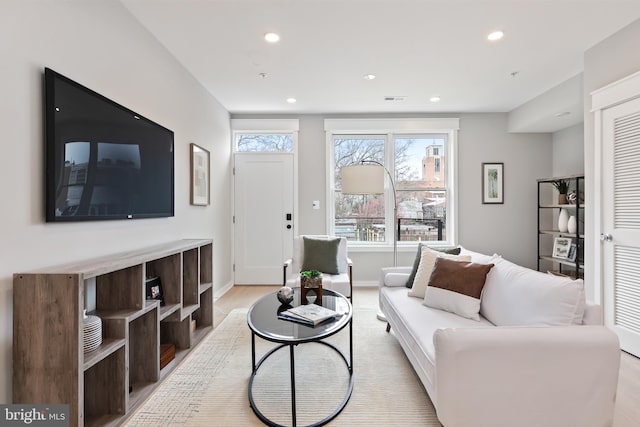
x=263 y=232
x=620 y=213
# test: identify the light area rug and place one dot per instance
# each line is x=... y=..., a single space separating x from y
x=210 y=386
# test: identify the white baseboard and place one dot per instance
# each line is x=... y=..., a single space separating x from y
x=218 y=291
x=365 y=284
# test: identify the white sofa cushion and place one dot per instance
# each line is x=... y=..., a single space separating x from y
x=415 y=326
x=477 y=256
x=396 y=279
x=518 y=296
x=427 y=261
x=456 y=286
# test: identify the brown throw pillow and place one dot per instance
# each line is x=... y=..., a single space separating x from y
x=456 y=286
x=416 y=261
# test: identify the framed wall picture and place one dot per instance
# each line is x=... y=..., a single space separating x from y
x=200 y=168
x=561 y=247
x=493 y=183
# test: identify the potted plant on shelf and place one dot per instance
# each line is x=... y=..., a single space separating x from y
x=562 y=185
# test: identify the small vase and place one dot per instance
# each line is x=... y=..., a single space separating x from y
x=562 y=199
x=563 y=221
x=572 y=224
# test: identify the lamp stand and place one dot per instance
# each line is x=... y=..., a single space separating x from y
x=356 y=181
x=380 y=315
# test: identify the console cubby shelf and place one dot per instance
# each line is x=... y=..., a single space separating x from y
x=104 y=386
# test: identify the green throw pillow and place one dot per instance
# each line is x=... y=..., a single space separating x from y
x=416 y=262
x=321 y=255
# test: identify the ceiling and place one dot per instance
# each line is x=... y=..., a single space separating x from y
x=416 y=49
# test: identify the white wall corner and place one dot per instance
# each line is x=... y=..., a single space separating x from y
x=547 y=112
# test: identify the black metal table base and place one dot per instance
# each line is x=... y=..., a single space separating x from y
x=267 y=421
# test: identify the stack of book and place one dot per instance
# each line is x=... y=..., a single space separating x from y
x=310 y=314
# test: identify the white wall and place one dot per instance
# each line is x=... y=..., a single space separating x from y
x=508 y=229
x=100 y=45
x=610 y=60
x=568 y=151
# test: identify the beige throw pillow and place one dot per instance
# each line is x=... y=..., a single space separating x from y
x=427 y=260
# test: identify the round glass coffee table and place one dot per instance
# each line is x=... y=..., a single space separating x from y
x=264 y=322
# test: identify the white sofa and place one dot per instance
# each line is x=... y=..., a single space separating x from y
x=479 y=374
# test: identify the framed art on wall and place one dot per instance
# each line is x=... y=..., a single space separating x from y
x=493 y=183
x=200 y=168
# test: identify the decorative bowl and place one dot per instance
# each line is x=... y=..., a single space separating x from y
x=285 y=295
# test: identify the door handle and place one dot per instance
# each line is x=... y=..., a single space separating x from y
x=606 y=237
x=288 y=226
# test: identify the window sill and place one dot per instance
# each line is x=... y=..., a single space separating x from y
x=382 y=247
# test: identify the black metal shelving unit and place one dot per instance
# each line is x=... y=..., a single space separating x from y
x=548 y=212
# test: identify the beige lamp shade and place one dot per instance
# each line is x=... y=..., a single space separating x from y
x=362 y=179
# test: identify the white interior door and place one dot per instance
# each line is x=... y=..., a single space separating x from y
x=620 y=213
x=263 y=232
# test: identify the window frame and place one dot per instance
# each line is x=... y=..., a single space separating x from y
x=390 y=129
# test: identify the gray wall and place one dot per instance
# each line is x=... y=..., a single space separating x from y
x=568 y=151
x=100 y=45
x=610 y=60
x=508 y=229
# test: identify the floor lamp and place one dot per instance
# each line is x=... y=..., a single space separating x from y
x=367 y=177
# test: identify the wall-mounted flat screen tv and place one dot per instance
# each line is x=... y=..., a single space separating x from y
x=103 y=161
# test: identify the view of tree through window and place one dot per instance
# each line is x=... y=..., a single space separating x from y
x=260 y=142
x=419 y=170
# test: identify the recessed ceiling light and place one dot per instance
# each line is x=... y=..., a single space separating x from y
x=271 y=37
x=369 y=76
x=292 y=100
x=496 y=35
x=434 y=99
x=562 y=113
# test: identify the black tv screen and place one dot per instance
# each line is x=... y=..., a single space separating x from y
x=103 y=161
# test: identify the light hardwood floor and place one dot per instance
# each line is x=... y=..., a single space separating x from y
x=628 y=397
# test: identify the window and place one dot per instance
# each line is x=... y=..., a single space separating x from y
x=421 y=193
x=264 y=142
x=358 y=217
x=264 y=135
x=421 y=166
